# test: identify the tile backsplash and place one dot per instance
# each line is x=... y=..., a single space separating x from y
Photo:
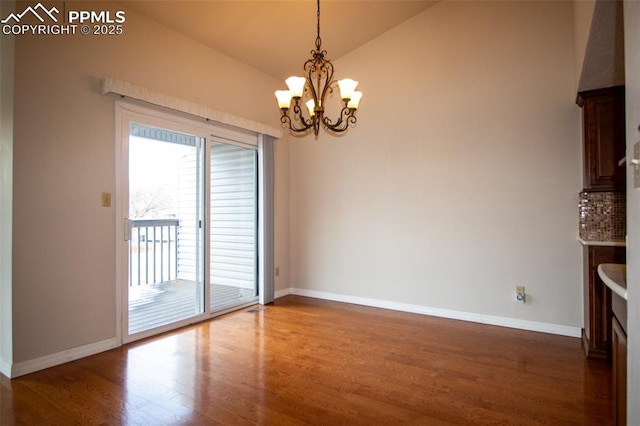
x=602 y=216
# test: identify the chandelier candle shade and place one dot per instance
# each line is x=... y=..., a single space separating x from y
x=314 y=88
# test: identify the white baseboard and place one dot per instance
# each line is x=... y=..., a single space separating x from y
x=282 y=293
x=26 y=367
x=542 y=327
x=5 y=368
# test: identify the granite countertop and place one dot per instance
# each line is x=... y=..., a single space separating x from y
x=602 y=243
x=614 y=275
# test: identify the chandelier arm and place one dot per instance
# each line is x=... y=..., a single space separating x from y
x=347 y=117
x=297 y=111
x=285 y=119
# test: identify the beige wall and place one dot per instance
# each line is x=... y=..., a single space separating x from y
x=461 y=179
x=64 y=241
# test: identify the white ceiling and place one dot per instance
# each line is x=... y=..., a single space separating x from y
x=278 y=36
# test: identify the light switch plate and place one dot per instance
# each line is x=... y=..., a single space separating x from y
x=636 y=166
x=106 y=199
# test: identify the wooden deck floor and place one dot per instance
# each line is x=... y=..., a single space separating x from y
x=307 y=361
x=171 y=301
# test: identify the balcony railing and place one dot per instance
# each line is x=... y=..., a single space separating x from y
x=153 y=256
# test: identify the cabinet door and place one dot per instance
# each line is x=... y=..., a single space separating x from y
x=604 y=138
x=619 y=374
x=597 y=301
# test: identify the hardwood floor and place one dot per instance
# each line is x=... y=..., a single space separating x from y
x=307 y=361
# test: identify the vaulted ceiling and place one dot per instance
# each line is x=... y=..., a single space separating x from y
x=277 y=36
x=603 y=64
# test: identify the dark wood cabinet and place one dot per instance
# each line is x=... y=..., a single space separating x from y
x=603 y=118
x=619 y=373
x=596 y=334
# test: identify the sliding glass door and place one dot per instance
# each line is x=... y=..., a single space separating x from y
x=165 y=249
x=189 y=206
x=233 y=267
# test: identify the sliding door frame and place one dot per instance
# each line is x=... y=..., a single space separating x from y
x=125 y=112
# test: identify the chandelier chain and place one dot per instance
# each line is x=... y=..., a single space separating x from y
x=318 y=39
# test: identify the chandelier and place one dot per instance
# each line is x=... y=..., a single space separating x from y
x=312 y=90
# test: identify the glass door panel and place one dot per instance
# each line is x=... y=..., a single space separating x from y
x=233 y=226
x=165 y=283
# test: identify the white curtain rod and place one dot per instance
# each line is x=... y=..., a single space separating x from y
x=130 y=90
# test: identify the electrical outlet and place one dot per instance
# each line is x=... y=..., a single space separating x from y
x=277 y=271
x=521 y=296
